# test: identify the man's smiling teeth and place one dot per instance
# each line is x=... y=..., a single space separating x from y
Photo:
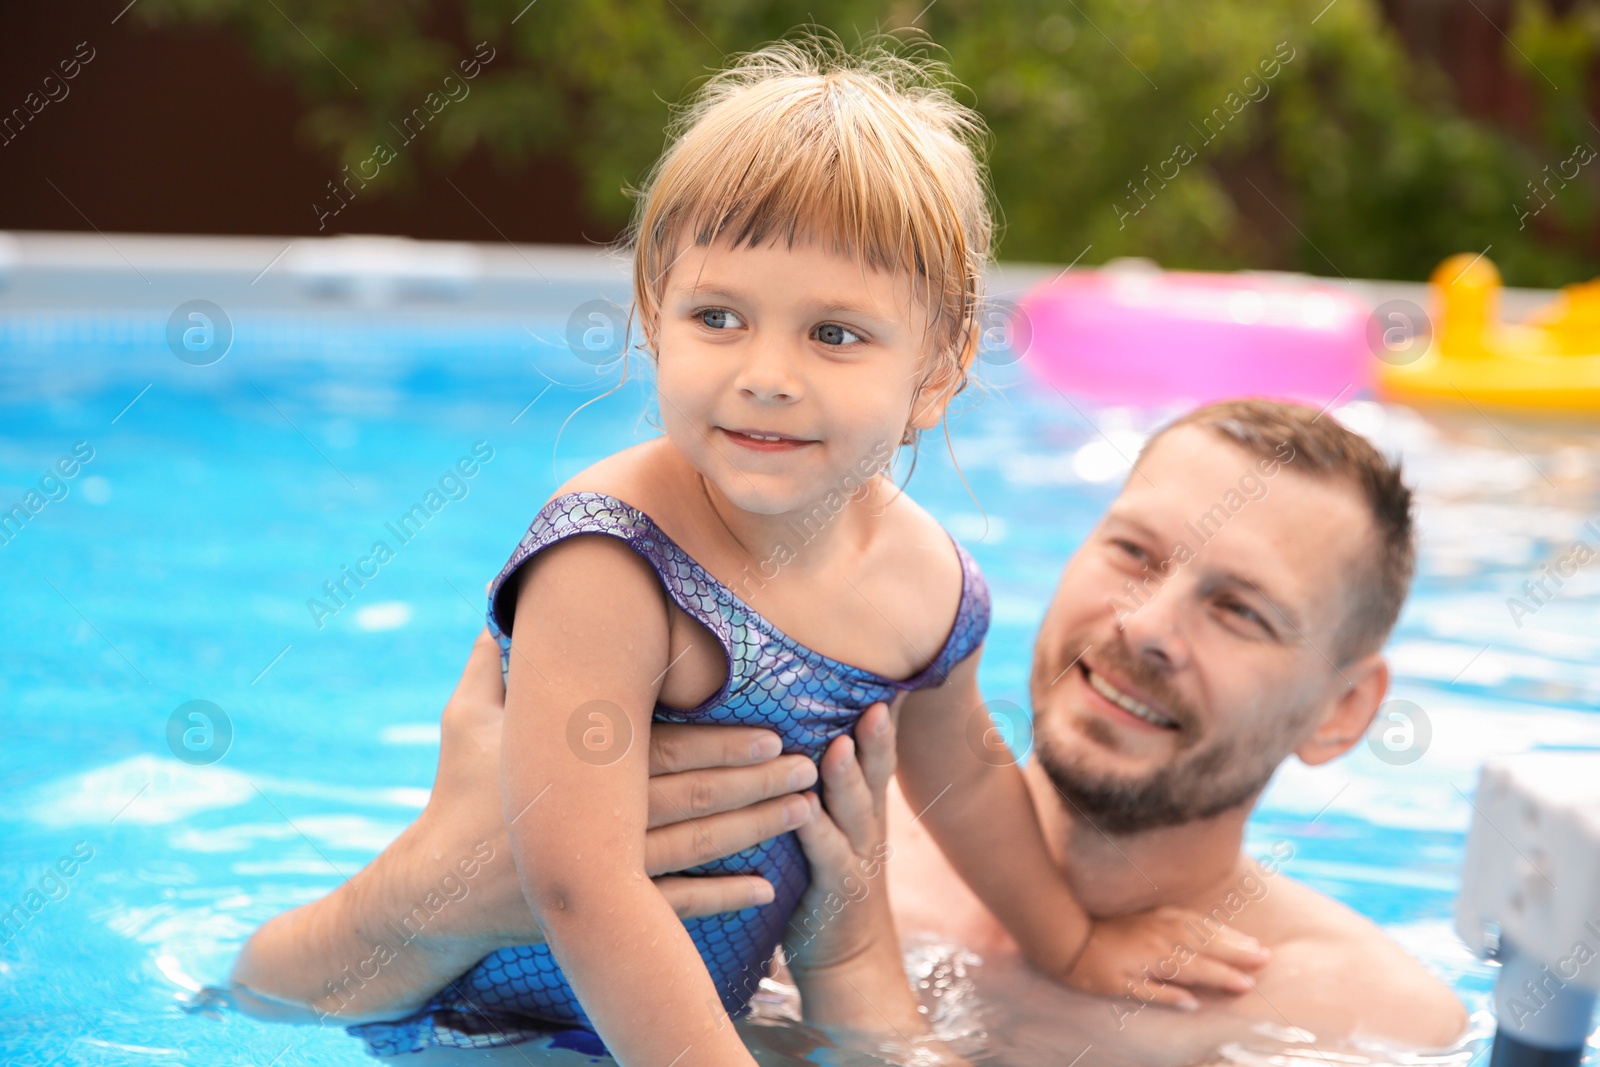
x=1126 y=702
x=764 y=436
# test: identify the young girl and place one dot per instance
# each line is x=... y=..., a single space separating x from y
x=808 y=264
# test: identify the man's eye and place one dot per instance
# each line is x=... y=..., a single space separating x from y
x=1245 y=612
x=1130 y=549
x=831 y=333
x=718 y=318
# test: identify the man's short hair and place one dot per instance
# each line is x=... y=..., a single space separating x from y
x=1323 y=448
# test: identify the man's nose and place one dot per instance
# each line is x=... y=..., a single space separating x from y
x=1157 y=626
x=770 y=373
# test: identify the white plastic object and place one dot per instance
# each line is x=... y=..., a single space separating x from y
x=1532 y=871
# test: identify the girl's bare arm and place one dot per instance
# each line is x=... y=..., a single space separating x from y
x=979 y=810
x=589 y=650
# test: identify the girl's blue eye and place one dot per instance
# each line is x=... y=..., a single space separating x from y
x=718 y=318
x=831 y=333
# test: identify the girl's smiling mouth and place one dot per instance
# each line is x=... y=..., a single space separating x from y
x=765 y=440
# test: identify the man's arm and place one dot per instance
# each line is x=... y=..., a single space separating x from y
x=351 y=957
x=299 y=965
x=728 y=780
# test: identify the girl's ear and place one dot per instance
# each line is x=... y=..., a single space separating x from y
x=944 y=381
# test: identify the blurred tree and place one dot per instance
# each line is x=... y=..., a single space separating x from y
x=1296 y=134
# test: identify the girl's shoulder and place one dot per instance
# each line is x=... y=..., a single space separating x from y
x=923 y=581
x=918 y=539
x=643 y=477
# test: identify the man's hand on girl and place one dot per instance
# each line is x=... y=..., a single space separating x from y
x=714 y=791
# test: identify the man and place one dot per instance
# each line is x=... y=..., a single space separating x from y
x=1227 y=612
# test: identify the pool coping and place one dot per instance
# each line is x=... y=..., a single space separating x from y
x=404 y=277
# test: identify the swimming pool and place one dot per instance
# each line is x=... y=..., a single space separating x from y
x=208 y=504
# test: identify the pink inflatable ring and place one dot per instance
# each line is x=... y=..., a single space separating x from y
x=1140 y=335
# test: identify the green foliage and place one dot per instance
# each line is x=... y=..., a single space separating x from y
x=1202 y=133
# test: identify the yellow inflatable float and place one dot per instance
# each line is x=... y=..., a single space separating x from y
x=1549 y=363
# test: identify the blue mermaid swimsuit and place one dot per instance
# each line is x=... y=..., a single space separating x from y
x=518 y=994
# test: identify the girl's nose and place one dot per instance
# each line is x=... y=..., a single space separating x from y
x=768 y=375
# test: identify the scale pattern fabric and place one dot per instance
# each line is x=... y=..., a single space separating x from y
x=516 y=994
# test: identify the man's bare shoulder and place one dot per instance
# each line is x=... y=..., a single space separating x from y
x=1335 y=973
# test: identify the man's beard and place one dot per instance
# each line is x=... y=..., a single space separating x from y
x=1185 y=791
x=1202 y=780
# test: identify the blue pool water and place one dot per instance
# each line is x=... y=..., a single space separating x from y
x=179 y=563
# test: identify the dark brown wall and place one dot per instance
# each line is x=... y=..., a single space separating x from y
x=179 y=131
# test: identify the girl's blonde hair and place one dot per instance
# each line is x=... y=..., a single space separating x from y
x=869 y=154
